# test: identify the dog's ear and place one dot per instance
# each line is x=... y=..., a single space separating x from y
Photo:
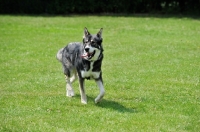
x=99 y=34
x=86 y=32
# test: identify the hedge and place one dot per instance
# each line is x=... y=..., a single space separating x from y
x=98 y=6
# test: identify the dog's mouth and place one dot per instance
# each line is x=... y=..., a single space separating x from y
x=88 y=55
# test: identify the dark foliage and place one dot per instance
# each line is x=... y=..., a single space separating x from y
x=98 y=6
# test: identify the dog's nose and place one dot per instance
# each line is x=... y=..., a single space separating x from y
x=87 y=49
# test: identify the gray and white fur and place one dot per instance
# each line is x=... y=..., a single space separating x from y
x=83 y=61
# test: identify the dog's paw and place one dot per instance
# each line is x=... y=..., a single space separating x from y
x=83 y=101
x=97 y=100
x=70 y=93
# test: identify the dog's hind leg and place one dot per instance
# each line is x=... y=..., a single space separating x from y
x=82 y=91
x=99 y=82
x=69 y=89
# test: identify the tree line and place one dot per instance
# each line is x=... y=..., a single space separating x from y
x=99 y=6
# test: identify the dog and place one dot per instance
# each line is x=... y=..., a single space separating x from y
x=83 y=61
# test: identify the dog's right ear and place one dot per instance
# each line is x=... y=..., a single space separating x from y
x=99 y=34
x=86 y=32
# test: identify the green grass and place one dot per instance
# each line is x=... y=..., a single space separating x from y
x=151 y=74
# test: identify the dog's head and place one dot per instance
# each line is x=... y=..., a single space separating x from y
x=92 y=45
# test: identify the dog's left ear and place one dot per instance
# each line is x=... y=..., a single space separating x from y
x=99 y=34
x=86 y=32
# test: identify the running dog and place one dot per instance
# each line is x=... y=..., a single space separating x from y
x=83 y=61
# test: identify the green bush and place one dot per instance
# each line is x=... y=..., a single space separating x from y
x=92 y=6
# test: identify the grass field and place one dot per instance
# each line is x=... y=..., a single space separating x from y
x=151 y=74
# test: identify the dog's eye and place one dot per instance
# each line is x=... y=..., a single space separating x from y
x=93 y=43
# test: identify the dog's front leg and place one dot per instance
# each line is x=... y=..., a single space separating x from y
x=101 y=90
x=69 y=89
x=82 y=90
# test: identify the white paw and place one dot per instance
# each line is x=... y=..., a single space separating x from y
x=70 y=93
x=97 y=100
x=83 y=101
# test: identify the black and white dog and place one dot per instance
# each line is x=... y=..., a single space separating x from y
x=83 y=61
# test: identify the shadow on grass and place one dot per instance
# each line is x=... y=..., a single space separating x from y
x=113 y=105
x=116 y=106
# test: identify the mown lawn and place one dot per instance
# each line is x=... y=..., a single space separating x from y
x=151 y=74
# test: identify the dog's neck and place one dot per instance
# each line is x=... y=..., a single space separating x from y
x=100 y=56
x=87 y=63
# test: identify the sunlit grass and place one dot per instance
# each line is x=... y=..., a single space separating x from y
x=151 y=75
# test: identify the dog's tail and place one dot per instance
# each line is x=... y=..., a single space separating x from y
x=59 y=55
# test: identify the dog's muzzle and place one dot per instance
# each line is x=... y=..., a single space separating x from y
x=87 y=55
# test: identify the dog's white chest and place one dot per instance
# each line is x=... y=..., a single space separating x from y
x=86 y=74
x=90 y=73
